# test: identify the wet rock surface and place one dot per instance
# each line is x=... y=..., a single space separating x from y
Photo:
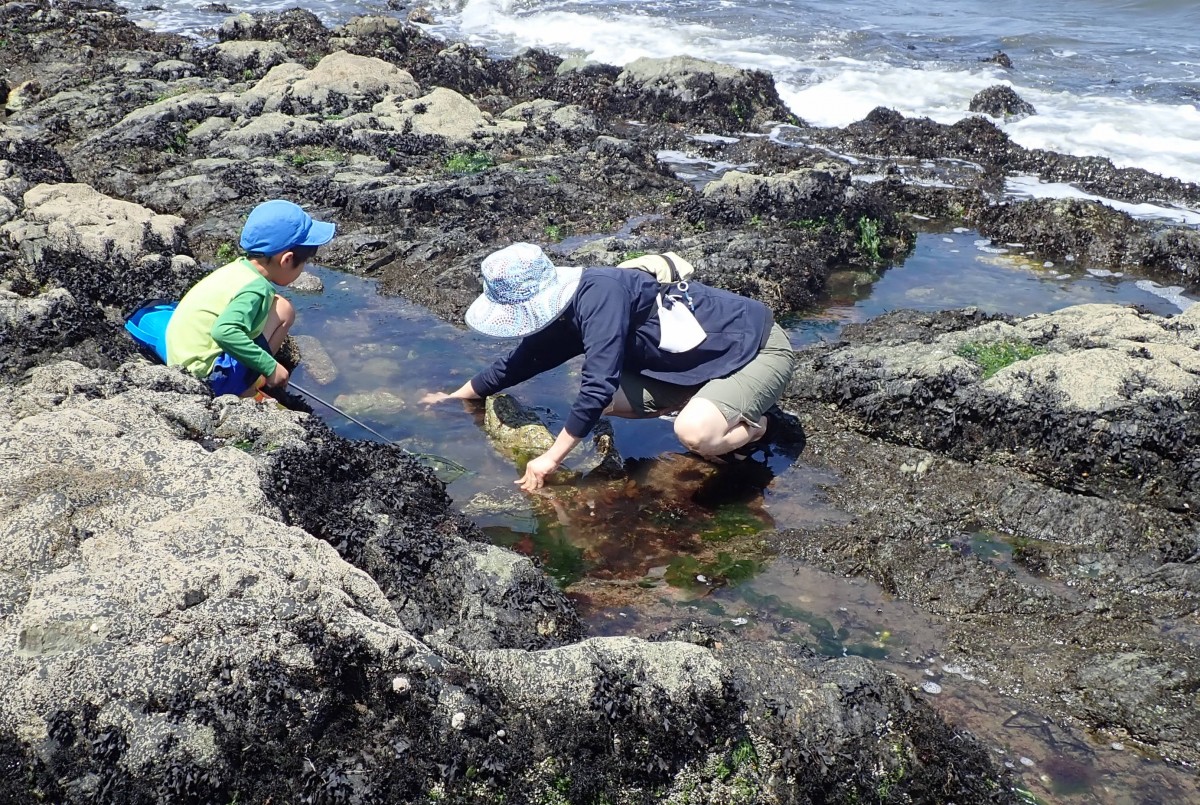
x=292 y=629
x=1077 y=449
x=1096 y=234
x=520 y=433
x=311 y=621
x=1097 y=399
x=1001 y=101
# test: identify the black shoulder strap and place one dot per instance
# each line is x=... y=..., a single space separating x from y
x=671 y=265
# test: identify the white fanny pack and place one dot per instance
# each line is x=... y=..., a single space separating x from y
x=678 y=329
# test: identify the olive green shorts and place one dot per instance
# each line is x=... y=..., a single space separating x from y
x=744 y=395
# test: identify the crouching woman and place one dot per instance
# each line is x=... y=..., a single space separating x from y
x=716 y=358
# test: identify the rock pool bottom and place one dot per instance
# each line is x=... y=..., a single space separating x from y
x=681 y=541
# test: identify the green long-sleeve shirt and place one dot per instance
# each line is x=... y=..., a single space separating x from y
x=224 y=312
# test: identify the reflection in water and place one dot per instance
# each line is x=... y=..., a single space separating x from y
x=680 y=540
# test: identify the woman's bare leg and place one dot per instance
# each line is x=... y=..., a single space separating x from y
x=703 y=429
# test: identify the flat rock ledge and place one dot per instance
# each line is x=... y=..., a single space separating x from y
x=171 y=633
x=1093 y=398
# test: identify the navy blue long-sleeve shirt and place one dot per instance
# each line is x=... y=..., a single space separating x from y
x=613 y=322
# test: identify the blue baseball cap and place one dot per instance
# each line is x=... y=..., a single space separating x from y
x=275 y=226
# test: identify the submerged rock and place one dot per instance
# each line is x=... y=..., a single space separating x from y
x=506 y=503
x=308 y=283
x=515 y=428
x=520 y=433
x=371 y=403
x=317 y=362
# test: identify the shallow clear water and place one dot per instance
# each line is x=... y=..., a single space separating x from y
x=678 y=541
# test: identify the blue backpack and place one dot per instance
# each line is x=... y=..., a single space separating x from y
x=148 y=326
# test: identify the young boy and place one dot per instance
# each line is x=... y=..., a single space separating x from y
x=230 y=324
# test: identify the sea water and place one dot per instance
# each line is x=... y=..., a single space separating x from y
x=1114 y=78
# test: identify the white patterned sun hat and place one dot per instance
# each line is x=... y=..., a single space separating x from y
x=523 y=292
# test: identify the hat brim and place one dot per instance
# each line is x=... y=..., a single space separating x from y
x=528 y=317
x=319 y=233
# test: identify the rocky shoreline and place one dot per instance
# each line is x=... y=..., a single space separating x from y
x=214 y=601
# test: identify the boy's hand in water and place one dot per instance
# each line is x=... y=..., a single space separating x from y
x=434 y=397
x=278 y=378
x=535 y=473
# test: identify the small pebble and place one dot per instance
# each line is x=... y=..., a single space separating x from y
x=458 y=720
x=700 y=577
x=1048 y=264
x=95 y=628
x=932 y=688
x=1118 y=746
x=1026 y=761
x=400 y=684
x=501 y=734
x=740 y=621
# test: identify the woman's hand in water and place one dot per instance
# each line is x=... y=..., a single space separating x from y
x=464 y=392
x=536 y=471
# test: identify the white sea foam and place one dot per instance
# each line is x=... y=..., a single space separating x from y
x=1032 y=187
x=815 y=77
x=1172 y=293
x=1158 y=137
x=840 y=90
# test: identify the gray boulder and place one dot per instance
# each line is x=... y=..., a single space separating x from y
x=83 y=260
x=265 y=135
x=798 y=195
x=247 y=58
x=100 y=248
x=1095 y=398
x=704 y=93
x=1003 y=102
x=341 y=83
x=442 y=113
x=543 y=113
